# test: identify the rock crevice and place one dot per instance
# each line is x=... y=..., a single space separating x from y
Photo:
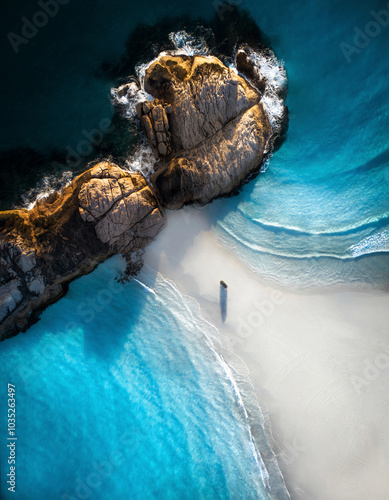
x=153 y=117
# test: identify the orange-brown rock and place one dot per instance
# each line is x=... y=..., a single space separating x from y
x=155 y=125
x=208 y=129
x=104 y=211
x=218 y=129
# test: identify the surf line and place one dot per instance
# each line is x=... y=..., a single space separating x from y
x=145 y=286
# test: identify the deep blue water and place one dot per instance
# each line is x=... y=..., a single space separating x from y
x=138 y=378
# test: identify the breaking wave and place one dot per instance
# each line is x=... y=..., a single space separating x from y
x=376 y=243
x=267 y=66
x=187 y=44
x=45 y=187
x=142 y=160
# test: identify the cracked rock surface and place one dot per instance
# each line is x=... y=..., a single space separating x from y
x=122 y=209
x=219 y=130
x=104 y=211
x=208 y=130
x=155 y=124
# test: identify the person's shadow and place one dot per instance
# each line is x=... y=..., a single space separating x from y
x=223 y=300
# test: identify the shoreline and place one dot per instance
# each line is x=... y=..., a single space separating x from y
x=307 y=355
x=237 y=373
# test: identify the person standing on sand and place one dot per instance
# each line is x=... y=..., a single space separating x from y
x=223 y=300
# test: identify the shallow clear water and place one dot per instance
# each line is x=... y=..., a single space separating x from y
x=139 y=379
x=120 y=393
x=324 y=199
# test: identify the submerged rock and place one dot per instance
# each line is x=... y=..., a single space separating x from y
x=104 y=211
x=218 y=129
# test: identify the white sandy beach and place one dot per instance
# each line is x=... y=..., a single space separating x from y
x=319 y=362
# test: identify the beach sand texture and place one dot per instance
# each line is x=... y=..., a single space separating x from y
x=319 y=362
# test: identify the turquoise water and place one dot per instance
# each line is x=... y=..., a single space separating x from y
x=319 y=215
x=323 y=204
x=121 y=394
x=132 y=378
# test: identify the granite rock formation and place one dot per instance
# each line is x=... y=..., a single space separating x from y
x=155 y=124
x=208 y=131
x=218 y=128
x=104 y=211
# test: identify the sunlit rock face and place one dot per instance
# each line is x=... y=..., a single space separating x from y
x=218 y=129
x=104 y=211
x=122 y=207
x=208 y=131
x=155 y=124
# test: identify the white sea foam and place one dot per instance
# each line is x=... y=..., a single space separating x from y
x=184 y=44
x=129 y=95
x=377 y=242
x=359 y=225
x=213 y=339
x=45 y=187
x=150 y=290
x=142 y=160
x=298 y=253
x=269 y=67
x=188 y=44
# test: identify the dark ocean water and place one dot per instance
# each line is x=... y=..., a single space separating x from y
x=317 y=216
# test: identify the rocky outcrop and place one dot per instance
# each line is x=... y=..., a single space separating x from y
x=155 y=124
x=121 y=206
x=208 y=131
x=219 y=130
x=217 y=166
x=104 y=211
